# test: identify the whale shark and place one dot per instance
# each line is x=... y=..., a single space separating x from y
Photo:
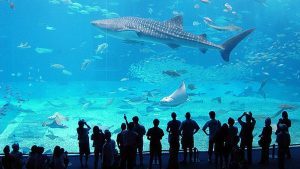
x=170 y=32
x=178 y=97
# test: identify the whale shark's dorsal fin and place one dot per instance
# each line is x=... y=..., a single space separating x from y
x=177 y=20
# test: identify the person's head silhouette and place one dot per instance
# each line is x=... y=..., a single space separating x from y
x=135 y=119
x=96 y=129
x=231 y=121
x=173 y=115
x=130 y=126
x=188 y=115
x=212 y=115
x=268 y=121
x=284 y=115
x=155 y=122
x=123 y=126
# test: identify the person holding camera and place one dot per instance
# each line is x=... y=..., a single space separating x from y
x=246 y=134
x=83 y=139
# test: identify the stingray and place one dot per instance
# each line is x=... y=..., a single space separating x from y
x=178 y=97
x=51 y=135
x=11 y=107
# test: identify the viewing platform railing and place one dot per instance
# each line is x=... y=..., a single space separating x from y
x=196 y=152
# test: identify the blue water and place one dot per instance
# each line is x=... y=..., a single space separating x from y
x=43 y=44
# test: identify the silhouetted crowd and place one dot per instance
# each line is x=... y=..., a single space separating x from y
x=225 y=142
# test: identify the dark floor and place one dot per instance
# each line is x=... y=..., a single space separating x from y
x=293 y=163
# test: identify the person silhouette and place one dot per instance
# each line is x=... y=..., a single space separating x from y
x=285 y=120
x=98 y=142
x=130 y=142
x=187 y=130
x=141 y=131
x=173 y=130
x=155 y=135
x=108 y=151
x=265 y=141
x=83 y=140
x=246 y=134
x=7 y=159
x=284 y=140
x=213 y=125
x=121 y=146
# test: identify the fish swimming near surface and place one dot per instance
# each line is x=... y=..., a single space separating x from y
x=178 y=97
x=171 y=33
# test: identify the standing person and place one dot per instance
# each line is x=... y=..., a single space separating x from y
x=285 y=120
x=231 y=142
x=219 y=140
x=83 y=138
x=98 y=142
x=18 y=156
x=140 y=130
x=7 y=159
x=284 y=140
x=173 y=130
x=155 y=134
x=187 y=130
x=57 y=159
x=120 y=144
x=265 y=141
x=32 y=158
x=108 y=151
x=129 y=141
x=246 y=134
x=213 y=125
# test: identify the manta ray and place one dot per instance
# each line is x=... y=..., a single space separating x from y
x=57 y=119
x=178 y=97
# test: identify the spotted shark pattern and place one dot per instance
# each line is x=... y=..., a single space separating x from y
x=171 y=33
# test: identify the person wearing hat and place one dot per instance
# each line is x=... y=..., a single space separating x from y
x=284 y=140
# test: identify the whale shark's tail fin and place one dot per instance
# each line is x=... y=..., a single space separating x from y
x=231 y=43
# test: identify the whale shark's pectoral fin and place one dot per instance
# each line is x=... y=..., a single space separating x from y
x=173 y=46
x=128 y=33
x=177 y=21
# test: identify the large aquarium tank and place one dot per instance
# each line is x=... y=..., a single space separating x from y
x=66 y=60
